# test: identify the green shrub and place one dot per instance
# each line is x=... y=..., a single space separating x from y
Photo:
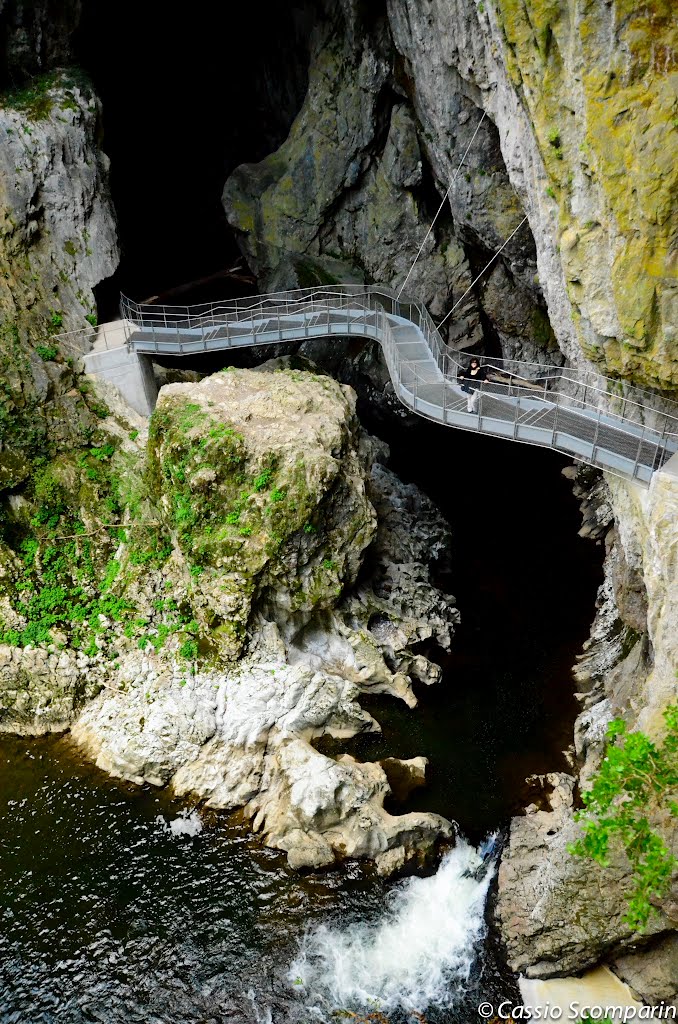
x=635 y=775
x=189 y=649
x=47 y=352
x=56 y=322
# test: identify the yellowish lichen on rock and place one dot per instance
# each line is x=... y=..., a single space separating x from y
x=601 y=85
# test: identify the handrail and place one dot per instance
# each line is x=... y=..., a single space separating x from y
x=137 y=312
x=577 y=411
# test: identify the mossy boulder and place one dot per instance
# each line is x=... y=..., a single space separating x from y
x=259 y=485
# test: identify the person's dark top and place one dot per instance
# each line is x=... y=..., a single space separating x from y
x=469 y=375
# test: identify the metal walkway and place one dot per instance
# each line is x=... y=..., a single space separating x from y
x=579 y=413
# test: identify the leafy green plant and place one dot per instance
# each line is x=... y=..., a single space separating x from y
x=636 y=774
x=100 y=409
x=554 y=137
x=262 y=481
x=56 y=322
x=91 y=319
x=550 y=193
x=189 y=649
x=47 y=352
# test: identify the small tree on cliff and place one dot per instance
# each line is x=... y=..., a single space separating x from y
x=637 y=778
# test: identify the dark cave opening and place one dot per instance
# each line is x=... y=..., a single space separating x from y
x=185 y=100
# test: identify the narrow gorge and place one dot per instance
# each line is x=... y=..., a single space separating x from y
x=301 y=694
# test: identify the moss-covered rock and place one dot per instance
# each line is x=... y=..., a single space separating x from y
x=261 y=491
x=57 y=241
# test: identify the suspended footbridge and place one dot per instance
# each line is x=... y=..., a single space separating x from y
x=586 y=416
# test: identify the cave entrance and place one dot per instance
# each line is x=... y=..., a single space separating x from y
x=185 y=100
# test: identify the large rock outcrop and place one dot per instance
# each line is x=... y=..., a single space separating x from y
x=57 y=242
x=271 y=569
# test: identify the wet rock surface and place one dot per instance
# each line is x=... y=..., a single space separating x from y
x=306 y=568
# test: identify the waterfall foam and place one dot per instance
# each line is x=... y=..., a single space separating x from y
x=419 y=953
x=189 y=823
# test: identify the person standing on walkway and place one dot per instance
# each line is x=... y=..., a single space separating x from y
x=474 y=373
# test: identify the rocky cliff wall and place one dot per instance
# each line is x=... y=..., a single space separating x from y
x=351 y=193
x=580 y=134
x=57 y=242
x=559 y=914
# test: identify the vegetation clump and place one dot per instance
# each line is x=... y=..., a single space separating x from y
x=637 y=777
x=45 y=93
x=63 y=583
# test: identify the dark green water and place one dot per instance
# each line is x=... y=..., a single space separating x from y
x=525 y=584
x=107 y=915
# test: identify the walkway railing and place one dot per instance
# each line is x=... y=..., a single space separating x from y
x=579 y=412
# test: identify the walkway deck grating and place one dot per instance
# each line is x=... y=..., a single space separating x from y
x=578 y=412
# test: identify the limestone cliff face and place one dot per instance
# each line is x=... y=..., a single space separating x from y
x=587 y=143
x=583 y=97
x=599 y=83
x=349 y=194
x=560 y=914
x=57 y=242
x=58 y=228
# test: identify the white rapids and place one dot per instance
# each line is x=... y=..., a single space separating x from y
x=419 y=952
x=189 y=823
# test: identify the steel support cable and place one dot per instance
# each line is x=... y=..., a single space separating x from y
x=486 y=267
x=445 y=198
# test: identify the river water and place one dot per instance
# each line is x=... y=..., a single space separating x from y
x=122 y=906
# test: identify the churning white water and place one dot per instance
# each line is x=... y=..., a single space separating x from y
x=419 y=952
x=188 y=823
